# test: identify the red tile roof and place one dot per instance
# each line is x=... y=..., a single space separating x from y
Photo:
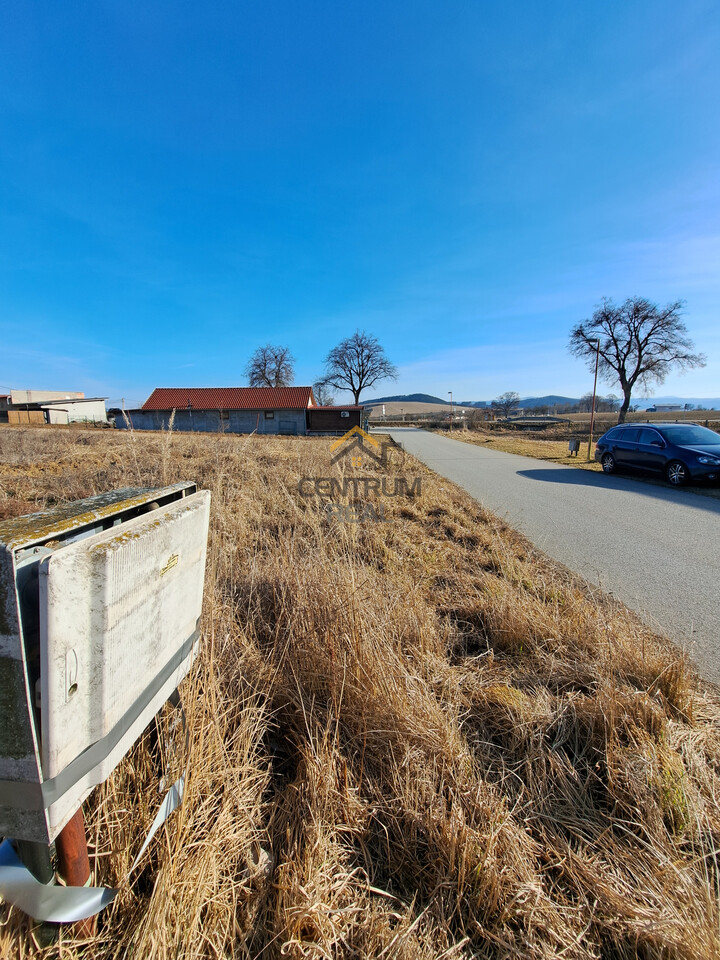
x=229 y=398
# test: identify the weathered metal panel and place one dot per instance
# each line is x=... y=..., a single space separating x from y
x=114 y=611
x=19 y=746
x=63 y=520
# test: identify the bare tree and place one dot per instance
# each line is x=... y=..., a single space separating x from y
x=356 y=364
x=585 y=403
x=602 y=404
x=639 y=343
x=324 y=396
x=612 y=402
x=271 y=366
x=506 y=403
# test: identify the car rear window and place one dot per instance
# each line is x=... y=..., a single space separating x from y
x=684 y=434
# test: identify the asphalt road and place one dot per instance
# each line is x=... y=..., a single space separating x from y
x=654 y=547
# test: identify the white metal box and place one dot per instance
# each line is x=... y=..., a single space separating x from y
x=98 y=625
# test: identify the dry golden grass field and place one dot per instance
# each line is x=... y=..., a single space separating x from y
x=410 y=739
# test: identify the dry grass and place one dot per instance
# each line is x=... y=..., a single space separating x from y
x=554 y=450
x=416 y=739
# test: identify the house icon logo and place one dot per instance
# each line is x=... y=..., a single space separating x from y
x=351 y=497
x=358 y=445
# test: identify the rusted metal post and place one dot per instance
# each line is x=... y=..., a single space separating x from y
x=74 y=866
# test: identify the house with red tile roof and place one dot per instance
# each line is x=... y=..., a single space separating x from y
x=230 y=398
x=274 y=410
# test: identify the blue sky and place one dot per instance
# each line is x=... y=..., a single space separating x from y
x=182 y=182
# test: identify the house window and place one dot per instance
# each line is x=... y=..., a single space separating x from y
x=269 y=414
x=344 y=413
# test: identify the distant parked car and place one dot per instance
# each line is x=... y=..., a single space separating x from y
x=680 y=451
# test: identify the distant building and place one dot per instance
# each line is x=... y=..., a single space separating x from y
x=665 y=408
x=51 y=406
x=289 y=411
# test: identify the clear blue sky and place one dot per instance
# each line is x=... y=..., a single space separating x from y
x=181 y=182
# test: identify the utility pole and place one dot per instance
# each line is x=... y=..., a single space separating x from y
x=451 y=410
x=592 y=412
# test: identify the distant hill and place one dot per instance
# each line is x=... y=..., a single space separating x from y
x=528 y=402
x=395 y=408
x=406 y=398
x=550 y=401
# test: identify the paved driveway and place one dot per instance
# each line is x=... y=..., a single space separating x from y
x=655 y=548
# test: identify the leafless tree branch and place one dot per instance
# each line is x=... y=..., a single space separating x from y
x=356 y=363
x=639 y=344
x=271 y=366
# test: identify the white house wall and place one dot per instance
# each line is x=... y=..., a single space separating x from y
x=87 y=410
x=79 y=411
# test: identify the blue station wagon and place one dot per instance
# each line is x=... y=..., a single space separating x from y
x=680 y=451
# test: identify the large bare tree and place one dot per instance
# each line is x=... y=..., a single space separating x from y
x=640 y=343
x=271 y=366
x=357 y=363
x=506 y=403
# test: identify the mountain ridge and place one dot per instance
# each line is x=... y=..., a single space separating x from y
x=408 y=398
x=551 y=400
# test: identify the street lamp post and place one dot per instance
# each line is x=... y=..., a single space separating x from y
x=451 y=410
x=592 y=412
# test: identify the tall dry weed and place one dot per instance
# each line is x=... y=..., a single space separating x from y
x=412 y=739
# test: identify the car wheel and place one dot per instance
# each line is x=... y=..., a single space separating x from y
x=676 y=473
x=608 y=463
